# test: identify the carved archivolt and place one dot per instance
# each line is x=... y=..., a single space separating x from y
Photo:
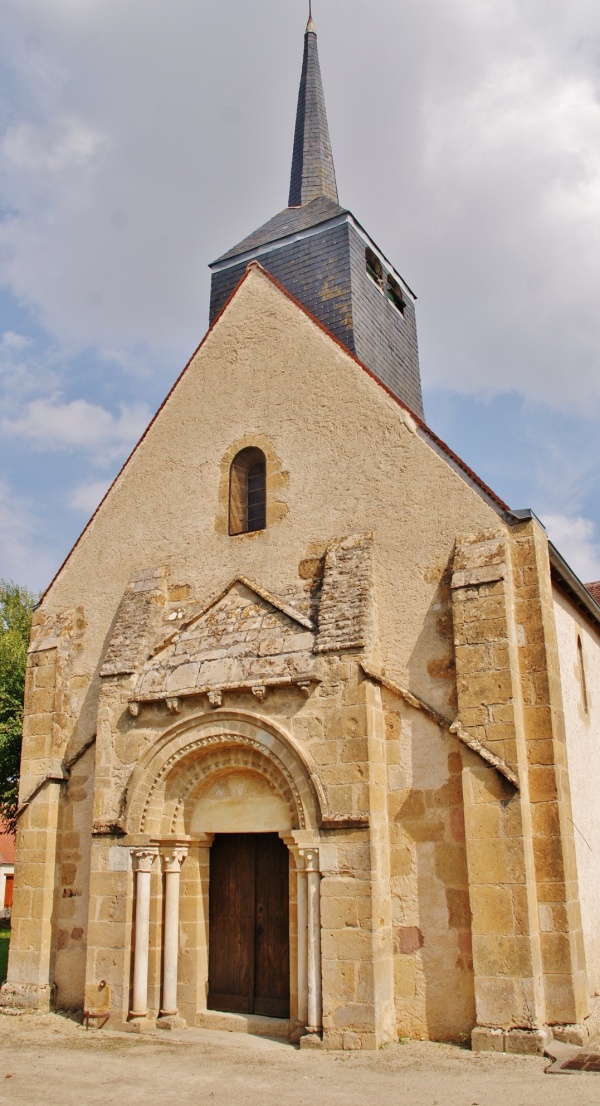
x=164 y=785
x=183 y=789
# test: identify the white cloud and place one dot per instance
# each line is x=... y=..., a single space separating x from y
x=578 y=541
x=49 y=423
x=481 y=174
x=65 y=147
x=23 y=370
x=25 y=559
x=86 y=497
x=12 y=341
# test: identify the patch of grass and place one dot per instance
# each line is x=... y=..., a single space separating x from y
x=4 y=942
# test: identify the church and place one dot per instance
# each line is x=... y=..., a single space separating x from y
x=312 y=717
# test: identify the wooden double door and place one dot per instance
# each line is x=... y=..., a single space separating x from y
x=248 y=963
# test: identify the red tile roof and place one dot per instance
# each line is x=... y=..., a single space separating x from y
x=594 y=590
x=7 y=846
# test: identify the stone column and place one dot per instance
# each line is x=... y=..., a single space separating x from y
x=143 y=859
x=313 y=887
x=302 y=907
x=172 y=861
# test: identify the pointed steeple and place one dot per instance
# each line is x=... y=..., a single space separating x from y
x=321 y=255
x=313 y=171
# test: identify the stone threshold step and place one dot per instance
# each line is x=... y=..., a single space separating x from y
x=254 y=1024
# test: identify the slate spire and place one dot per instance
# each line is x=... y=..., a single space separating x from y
x=313 y=171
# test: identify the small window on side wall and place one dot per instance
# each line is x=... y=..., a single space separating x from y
x=582 y=676
x=374 y=268
x=394 y=295
x=248 y=492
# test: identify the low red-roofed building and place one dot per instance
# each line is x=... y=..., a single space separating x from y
x=7 y=867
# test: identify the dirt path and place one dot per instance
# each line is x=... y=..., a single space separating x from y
x=52 y=1061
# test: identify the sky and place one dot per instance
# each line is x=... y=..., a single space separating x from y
x=140 y=139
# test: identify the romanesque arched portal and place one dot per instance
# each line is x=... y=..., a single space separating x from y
x=238 y=783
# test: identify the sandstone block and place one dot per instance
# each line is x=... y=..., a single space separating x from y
x=487 y=1040
x=538 y=722
x=500 y=1002
x=548 y=855
x=499 y=955
x=530 y=1042
x=542 y=784
x=502 y=863
x=405 y=977
x=484 y=823
x=451 y=864
x=354 y=1017
x=545 y=820
x=492 y=909
x=426 y=830
x=556 y=953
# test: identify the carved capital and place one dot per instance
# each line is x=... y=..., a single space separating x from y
x=311 y=859
x=143 y=859
x=173 y=860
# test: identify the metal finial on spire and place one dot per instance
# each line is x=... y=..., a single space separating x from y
x=310 y=25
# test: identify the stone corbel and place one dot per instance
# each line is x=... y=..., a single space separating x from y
x=215 y=698
x=174 y=705
x=260 y=692
x=134 y=709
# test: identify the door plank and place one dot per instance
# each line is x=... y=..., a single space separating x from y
x=231 y=923
x=272 y=958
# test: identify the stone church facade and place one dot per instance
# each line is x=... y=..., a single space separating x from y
x=312 y=717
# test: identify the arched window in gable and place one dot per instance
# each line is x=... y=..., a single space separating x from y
x=248 y=492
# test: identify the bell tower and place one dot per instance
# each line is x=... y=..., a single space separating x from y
x=322 y=255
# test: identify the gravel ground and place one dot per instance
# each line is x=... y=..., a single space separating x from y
x=50 y=1060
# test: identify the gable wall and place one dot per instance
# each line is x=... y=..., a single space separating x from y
x=349 y=462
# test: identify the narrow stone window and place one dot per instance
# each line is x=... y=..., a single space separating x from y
x=248 y=492
x=582 y=679
x=374 y=268
x=394 y=295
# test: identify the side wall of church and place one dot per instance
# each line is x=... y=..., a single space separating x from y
x=582 y=724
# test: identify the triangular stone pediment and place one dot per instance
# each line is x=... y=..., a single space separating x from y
x=243 y=637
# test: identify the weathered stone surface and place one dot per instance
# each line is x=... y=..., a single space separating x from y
x=140 y=614
x=345 y=610
x=241 y=639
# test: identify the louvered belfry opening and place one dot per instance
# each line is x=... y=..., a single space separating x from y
x=248 y=492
